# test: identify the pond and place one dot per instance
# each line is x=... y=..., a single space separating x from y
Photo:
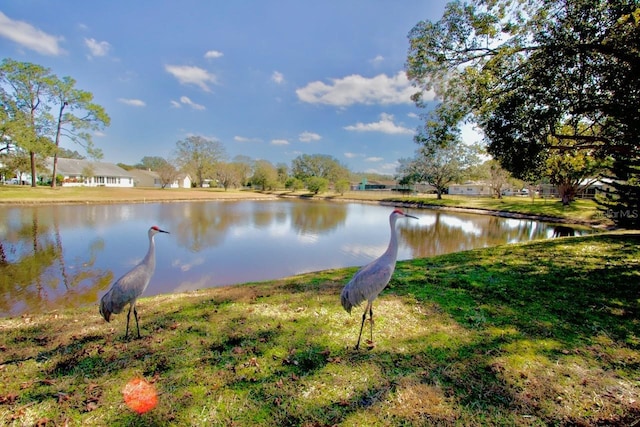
x=60 y=256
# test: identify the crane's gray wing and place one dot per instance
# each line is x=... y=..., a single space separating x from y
x=124 y=290
x=366 y=284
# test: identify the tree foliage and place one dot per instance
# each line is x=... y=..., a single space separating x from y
x=25 y=92
x=265 y=175
x=77 y=115
x=529 y=70
x=167 y=172
x=324 y=166
x=29 y=92
x=152 y=163
x=244 y=165
x=495 y=175
x=317 y=184
x=198 y=156
x=438 y=166
x=229 y=175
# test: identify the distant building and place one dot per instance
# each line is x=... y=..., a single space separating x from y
x=391 y=185
x=471 y=189
x=148 y=178
x=87 y=173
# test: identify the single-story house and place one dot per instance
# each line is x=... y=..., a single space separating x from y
x=373 y=185
x=87 y=173
x=471 y=189
x=148 y=178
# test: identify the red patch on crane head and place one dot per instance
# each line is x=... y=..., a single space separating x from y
x=398 y=211
x=155 y=227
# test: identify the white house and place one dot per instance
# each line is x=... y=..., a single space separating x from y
x=87 y=173
x=147 y=178
x=470 y=189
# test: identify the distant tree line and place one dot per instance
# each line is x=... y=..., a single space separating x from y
x=206 y=162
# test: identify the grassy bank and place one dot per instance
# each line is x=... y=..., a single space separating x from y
x=19 y=194
x=545 y=333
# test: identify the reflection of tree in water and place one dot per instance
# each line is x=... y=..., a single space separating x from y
x=563 y=231
x=34 y=268
x=446 y=236
x=198 y=226
x=317 y=217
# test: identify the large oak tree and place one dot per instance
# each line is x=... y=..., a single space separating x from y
x=198 y=156
x=539 y=77
x=29 y=93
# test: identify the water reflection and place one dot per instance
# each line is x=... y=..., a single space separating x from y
x=67 y=255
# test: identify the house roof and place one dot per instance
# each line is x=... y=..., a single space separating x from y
x=75 y=167
x=138 y=173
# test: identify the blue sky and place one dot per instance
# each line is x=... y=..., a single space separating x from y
x=268 y=79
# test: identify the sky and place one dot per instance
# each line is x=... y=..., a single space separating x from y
x=270 y=79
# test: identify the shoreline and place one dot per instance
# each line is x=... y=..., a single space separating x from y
x=476 y=211
x=208 y=195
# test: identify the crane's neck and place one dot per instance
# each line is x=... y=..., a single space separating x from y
x=150 y=258
x=392 y=249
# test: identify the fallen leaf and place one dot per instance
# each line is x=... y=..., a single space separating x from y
x=8 y=398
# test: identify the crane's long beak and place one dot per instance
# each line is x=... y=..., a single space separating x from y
x=411 y=216
x=162 y=231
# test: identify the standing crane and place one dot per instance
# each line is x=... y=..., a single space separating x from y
x=129 y=287
x=371 y=279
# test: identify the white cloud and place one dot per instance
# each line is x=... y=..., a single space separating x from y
x=384 y=169
x=279 y=142
x=356 y=89
x=373 y=159
x=378 y=59
x=309 y=137
x=213 y=54
x=186 y=101
x=175 y=104
x=277 y=77
x=245 y=139
x=26 y=35
x=350 y=155
x=97 y=48
x=187 y=74
x=389 y=167
x=413 y=115
x=133 y=102
x=385 y=125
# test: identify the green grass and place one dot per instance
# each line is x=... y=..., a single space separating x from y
x=581 y=210
x=543 y=333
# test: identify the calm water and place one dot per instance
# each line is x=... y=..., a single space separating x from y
x=68 y=255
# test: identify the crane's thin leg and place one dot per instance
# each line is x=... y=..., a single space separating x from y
x=371 y=321
x=135 y=314
x=126 y=334
x=364 y=317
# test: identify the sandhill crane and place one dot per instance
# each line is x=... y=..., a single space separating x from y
x=371 y=279
x=129 y=287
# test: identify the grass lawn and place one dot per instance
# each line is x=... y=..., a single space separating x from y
x=536 y=334
x=20 y=194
